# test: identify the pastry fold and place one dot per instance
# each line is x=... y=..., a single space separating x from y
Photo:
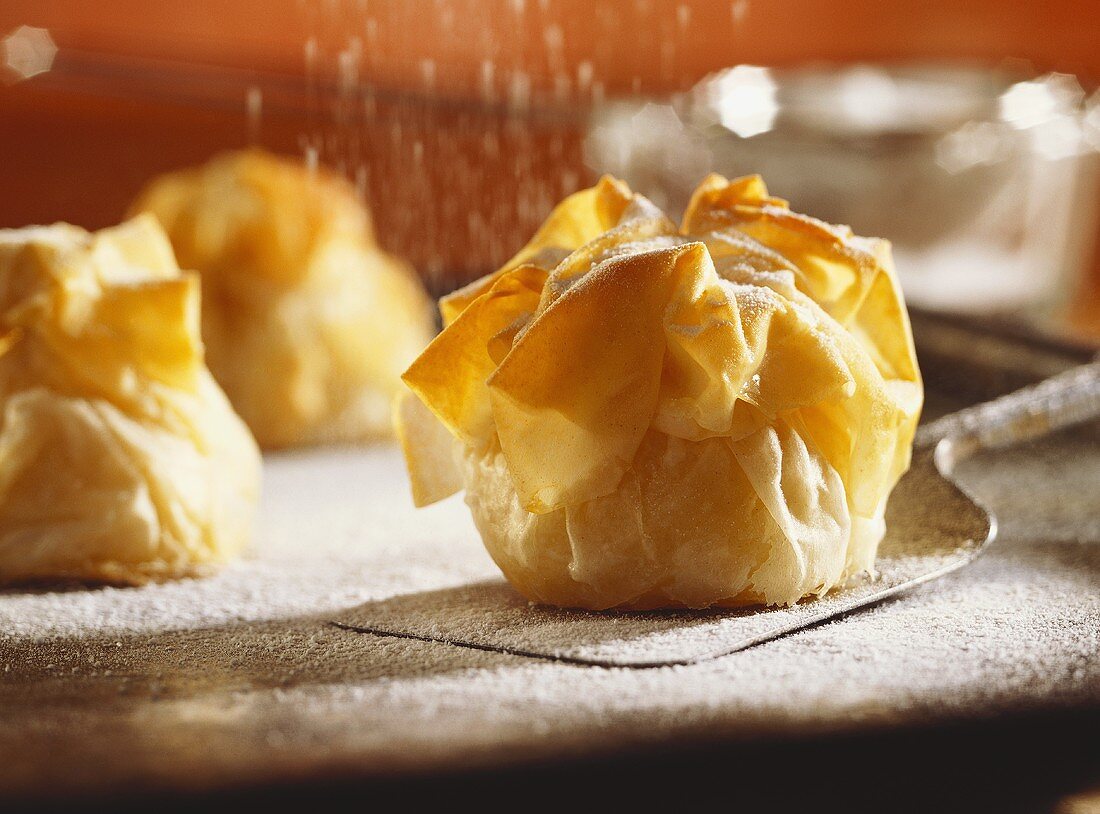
x=645 y=415
x=120 y=458
x=307 y=322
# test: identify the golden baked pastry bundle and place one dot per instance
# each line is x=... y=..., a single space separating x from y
x=644 y=415
x=120 y=458
x=307 y=323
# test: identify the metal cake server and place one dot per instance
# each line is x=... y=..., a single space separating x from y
x=929 y=513
x=933 y=528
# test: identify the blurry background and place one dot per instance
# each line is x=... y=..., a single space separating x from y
x=937 y=125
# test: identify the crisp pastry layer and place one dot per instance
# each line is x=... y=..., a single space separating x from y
x=644 y=415
x=120 y=457
x=307 y=323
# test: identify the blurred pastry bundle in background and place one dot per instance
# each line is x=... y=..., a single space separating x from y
x=120 y=458
x=966 y=140
x=307 y=323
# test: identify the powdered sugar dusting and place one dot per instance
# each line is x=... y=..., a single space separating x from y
x=238 y=677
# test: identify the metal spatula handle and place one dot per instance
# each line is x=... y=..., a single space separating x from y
x=1069 y=398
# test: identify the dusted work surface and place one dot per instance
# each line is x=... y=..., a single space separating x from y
x=241 y=678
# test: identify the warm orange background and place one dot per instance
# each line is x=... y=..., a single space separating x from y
x=269 y=34
x=80 y=152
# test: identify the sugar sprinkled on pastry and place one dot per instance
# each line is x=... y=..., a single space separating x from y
x=307 y=323
x=121 y=460
x=644 y=415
